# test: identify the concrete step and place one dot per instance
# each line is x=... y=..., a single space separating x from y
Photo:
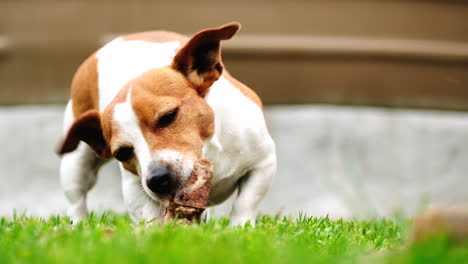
x=340 y=161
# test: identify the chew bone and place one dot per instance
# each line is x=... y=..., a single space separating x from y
x=191 y=199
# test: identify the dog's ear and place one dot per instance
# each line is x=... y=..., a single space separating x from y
x=200 y=58
x=86 y=128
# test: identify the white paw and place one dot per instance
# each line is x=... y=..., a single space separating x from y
x=77 y=214
x=241 y=221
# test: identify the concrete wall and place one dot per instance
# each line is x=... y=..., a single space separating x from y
x=341 y=161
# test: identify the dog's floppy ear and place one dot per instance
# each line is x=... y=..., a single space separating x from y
x=200 y=59
x=86 y=128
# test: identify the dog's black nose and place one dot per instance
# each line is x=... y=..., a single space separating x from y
x=160 y=182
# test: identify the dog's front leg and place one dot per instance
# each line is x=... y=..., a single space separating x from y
x=139 y=205
x=251 y=190
x=78 y=171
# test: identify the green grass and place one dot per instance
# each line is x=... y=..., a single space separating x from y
x=111 y=238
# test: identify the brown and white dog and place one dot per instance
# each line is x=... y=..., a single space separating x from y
x=156 y=101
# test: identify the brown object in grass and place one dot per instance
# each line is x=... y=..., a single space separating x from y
x=191 y=199
x=450 y=220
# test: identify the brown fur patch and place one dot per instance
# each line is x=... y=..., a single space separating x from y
x=161 y=90
x=84 y=87
x=85 y=107
x=154 y=94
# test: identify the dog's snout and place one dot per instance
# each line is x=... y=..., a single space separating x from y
x=161 y=182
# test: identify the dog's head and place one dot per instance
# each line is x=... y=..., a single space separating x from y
x=156 y=125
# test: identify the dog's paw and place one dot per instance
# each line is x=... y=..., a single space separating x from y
x=77 y=216
x=241 y=221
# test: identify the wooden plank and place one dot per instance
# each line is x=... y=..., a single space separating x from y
x=306 y=45
x=390 y=53
x=4 y=45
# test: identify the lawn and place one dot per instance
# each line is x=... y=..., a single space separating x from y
x=110 y=238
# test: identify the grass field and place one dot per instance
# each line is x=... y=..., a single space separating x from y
x=111 y=238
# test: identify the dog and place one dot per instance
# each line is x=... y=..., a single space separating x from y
x=157 y=101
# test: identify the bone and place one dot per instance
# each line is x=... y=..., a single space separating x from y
x=191 y=199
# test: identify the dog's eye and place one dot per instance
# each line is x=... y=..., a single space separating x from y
x=167 y=119
x=124 y=154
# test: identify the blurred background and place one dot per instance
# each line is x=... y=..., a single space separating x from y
x=366 y=100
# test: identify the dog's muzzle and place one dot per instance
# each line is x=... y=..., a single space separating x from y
x=161 y=182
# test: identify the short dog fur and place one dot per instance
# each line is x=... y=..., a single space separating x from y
x=157 y=101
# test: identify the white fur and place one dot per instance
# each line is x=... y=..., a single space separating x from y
x=241 y=139
x=182 y=165
x=68 y=117
x=129 y=131
x=139 y=205
x=240 y=145
x=120 y=61
x=195 y=78
x=241 y=148
x=77 y=172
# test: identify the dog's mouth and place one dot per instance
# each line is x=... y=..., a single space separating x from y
x=160 y=198
x=189 y=199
